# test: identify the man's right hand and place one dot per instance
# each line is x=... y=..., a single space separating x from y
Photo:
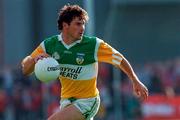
x=40 y=57
x=28 y=63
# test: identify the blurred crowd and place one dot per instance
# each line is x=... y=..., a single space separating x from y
x=26 y=98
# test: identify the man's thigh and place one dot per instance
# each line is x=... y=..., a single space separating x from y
x=68 y=113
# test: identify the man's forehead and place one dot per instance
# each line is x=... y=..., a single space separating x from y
x=78 y=19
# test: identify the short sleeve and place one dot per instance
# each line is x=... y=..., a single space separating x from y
x=39 y=50
x=108 y=54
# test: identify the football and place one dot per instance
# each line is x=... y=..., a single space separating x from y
x=47 y=69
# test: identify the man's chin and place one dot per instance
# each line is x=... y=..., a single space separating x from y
x=79 y=38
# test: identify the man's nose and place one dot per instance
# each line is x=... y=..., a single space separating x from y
x=82 y=28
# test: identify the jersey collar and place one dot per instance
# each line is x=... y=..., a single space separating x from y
x=65 y=45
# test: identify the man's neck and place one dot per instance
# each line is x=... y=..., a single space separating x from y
x=67 y=39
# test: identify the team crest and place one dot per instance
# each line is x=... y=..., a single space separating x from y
x=56 y=56
x=80 y=58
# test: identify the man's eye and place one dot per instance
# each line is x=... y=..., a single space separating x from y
x=79 y=24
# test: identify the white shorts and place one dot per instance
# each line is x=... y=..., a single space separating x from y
x=88 y=106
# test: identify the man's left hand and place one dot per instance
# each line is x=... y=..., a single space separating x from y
x=140 y=90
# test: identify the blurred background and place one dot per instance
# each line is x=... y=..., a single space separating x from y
x=146 y=32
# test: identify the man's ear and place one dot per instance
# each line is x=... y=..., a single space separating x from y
x=65 y=25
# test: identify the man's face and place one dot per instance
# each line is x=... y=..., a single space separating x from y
x=75 y=29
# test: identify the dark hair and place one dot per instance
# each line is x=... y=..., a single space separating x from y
x=69 y=12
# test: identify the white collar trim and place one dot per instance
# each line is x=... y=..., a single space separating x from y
x=65 y=45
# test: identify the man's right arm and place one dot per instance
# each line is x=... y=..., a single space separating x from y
x=28 y=64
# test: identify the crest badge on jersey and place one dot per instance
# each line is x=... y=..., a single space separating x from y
x=56 y=56
x=80 y=58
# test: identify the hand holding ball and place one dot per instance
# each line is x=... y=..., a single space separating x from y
x=47 y=69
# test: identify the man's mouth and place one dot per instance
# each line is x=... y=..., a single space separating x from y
x=80 y=34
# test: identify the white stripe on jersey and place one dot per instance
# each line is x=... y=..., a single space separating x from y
x=43 y=46
x=116 y=62
x=117 y=57
x=98 y=42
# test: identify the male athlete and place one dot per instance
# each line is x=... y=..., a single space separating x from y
x=78 y=56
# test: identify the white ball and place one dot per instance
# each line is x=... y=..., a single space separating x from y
x=47 y=69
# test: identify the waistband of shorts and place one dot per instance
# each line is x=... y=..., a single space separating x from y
x=74 y=98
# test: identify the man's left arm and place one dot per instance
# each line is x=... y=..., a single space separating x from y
x=139 y=88
x=107 y=54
